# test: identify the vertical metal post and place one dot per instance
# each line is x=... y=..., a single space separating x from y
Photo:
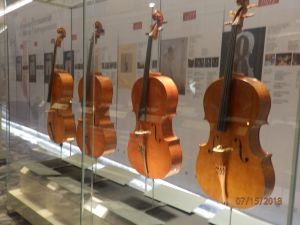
x=294 y=168
x=83 y=115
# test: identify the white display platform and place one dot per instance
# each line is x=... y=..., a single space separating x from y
x=69 y=184
x=76 y=160
x=36 y=215
x=17 y=202
x=116 y=174
x=237 y=218
x=131 y=214
x=180 y=199
x=39 y=169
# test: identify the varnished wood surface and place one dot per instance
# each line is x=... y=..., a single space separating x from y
x=100 y=134
x=61 y=122
x=163 y=151
x=248 y=171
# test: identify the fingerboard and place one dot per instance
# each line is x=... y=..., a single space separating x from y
x=144 y=97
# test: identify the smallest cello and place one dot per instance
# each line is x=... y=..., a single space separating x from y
x=100 y=135
x=61 y=123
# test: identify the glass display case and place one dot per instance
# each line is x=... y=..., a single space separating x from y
x=209 y=136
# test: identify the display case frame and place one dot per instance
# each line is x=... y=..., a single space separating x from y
x=195 y=30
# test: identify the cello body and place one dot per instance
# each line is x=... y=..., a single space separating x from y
x=60 y=122
x=163 y=151
x=100 y=134
x=246 y=168
x=232 y=168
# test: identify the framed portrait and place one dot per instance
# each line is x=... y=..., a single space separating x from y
x=249 y=52
x=127 y=65
x=173 y=61
x=48 y=60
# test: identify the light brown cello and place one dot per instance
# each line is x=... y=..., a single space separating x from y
x=61 y=123
x=232 y=168
x=153 y=149
x=100 y=135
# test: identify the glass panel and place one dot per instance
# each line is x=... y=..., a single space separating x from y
x=42 y=129
x=74 y=148
x=4 y=129
x=295 y=212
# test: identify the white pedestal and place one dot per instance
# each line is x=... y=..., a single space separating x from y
x=34 y=214
x=130 y=214
x=237 y=218
x=76 y=160
x=116 y=174
x=177 y=198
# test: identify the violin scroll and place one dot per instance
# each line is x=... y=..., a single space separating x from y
x=158 y=17
x=61 y=121
x=99 y=30
x=61 y=35
x=241 y=13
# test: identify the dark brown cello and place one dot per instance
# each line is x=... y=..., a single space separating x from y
x=100 y=135
x=153 y=149
x=232 y=168
x=61 y=123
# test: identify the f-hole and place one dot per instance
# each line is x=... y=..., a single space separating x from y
x=155 y=133
x=241 y=152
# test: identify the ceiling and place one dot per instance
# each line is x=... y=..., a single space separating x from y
x=68 y=3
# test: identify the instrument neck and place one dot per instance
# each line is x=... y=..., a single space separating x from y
x=225 y=101
x=144 y=98
x=52 y=73
x=89 y=67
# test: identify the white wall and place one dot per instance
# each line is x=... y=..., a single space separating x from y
x=204 y=40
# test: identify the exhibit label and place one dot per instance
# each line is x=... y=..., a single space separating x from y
x=191 y=15
x=267 y=2
x=137 y=26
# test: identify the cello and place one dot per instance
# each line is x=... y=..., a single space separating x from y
x=232 y=165
x=153 y=149
x=61 y=123
x=100 y=135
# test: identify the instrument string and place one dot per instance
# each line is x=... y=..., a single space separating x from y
x=227 y=82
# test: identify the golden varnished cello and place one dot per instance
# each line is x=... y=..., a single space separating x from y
x=232 y=166
x=153 y=149
x=61 y=123
x=100 y=135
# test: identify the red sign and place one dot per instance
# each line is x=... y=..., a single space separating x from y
x=137 y=26
x=191 y=15
x=267 y=2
